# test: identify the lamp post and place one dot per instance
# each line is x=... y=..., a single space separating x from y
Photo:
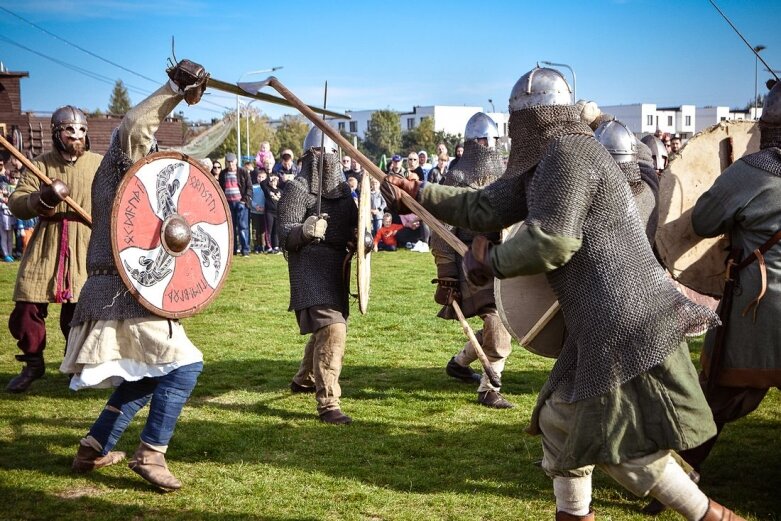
x=247 y=124
x=238 y=111
x=757 y=49
x=492 y=105
x=574 y=79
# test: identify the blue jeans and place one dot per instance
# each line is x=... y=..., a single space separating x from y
x=240 y=215
x=168 y=395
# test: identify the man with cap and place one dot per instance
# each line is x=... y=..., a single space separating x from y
x=626 y=322
x=237 y=185
x=53 y=268
x=395 y=167
x=317 y=221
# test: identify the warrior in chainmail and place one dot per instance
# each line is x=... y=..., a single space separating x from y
x=318 y=219
x=626 y=322
x=114 y=340
x=744 y=203
x=626 y=149
x=480 y=165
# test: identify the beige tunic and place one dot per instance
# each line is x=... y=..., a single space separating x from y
x=37 y=278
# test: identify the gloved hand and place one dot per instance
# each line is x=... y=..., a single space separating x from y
x=45 y=202
x=314 y=227
x=447 y=291
x=477 y=261
x=391 y=189
x=589 y=112
x=190 y=78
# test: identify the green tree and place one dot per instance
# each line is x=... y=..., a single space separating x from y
x=259 y=130
x=450 y=140
x=422 y=137
x=119 y=102
x=291 y=133
x=383 y=135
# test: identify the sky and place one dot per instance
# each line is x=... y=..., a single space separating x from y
x=391 y=55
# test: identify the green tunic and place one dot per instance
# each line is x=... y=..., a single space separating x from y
x=745 y=202
x=37 y=278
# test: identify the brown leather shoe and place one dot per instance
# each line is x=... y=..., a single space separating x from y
x=151 y=465
x=564 y=516
x=88 y=459
x=34 y=370
x=494 y=400
x=297 y=388
x=717 y=512
x=335 y=417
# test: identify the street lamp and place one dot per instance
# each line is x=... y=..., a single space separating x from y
x=757 y=50
x=247 y=124
x=574 y=80
x=238 y=112
x=492 y=105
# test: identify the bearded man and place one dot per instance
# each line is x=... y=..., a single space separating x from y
x=54 y=264
x=625 y=320
x=316 y=250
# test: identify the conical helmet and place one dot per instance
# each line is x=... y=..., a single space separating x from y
x=315 y=138
x=540 y=86
x=618 y=140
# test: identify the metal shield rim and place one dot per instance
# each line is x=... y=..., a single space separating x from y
x=129 y=175
x=363 y=272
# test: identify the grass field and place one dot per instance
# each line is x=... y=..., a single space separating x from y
x=247 y=449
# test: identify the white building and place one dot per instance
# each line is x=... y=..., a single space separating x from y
x=447 y=118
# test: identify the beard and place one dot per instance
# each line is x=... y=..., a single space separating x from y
x=75 y=148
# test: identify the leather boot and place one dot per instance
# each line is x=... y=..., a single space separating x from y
x=150 y=465
x=34 y=370
x=494 y=400
x=335 y=417
x=88 y=459
x=717 y=512
x=564 y=516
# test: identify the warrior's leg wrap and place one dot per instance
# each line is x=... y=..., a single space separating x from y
x=573 y=495
x=678 y=492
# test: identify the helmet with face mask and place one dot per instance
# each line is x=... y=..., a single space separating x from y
x=313 y=140
x=73 y=122
x=481 y=126
x=658 y=151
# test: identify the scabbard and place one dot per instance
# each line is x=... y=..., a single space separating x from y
x=732 y=281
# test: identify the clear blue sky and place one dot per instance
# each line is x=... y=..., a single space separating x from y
x=395 y=54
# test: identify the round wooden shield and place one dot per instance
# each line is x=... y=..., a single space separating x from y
x=696 y=262
x=530 y=311
x=365 y=243
x=171 y=234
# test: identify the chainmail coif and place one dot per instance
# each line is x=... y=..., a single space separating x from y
x=334 y=185
x=622 y=313
x=478 y=167
x=769 y=156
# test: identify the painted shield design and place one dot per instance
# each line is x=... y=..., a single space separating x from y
x=364 y=244
x=696 y=262
x=171 y=235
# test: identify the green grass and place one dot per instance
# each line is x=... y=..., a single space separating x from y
x=246 y=448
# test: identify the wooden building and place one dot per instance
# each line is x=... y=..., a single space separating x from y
x=31 y=132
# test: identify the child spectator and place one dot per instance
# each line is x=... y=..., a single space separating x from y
x=257 y=213
x=385 y=238
x=377 y=204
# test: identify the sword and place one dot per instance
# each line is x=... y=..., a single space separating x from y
x=320 y=159
x=45 y=179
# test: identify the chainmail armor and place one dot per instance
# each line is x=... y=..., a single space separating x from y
x=631 y=172
x=769 y=135
x=333 y=178
x=479 y=167
x=650 y=197
x=105 y=296
x=767 y=159
x=621 y=311
x=316 y=270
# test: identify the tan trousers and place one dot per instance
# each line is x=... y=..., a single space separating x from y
x=322 y=364
x=638 y=476
x=495 y=341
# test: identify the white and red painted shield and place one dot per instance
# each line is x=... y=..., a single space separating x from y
x=171 y=234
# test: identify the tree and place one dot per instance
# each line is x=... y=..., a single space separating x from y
x=119 y=102
x=291 y=133
x=383 y=135
x=422 y=137
x=450 y=140
x=259 y=131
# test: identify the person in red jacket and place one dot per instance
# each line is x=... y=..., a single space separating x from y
x=385 y=239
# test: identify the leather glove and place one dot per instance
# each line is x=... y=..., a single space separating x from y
x=45 y=202
x=314 y=227
x=190 y=78
x=447 y=291
x=477 y=261
x=391 y=189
